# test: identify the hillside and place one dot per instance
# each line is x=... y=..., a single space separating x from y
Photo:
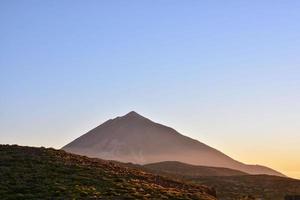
x=134 y=138
x=186 y=170
x=236 y=186
x=259 y=187
x=40 y=173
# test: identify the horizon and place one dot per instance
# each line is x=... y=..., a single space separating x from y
x=225 y=74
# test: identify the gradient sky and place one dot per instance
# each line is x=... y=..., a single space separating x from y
x=224 y=72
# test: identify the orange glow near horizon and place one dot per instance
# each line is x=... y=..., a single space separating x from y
x=282 y=161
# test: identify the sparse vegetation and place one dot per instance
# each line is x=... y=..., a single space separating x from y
x=240 y=186
x=40 y=173
x=262 y=187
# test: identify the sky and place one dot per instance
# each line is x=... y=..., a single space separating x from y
x=226 y=73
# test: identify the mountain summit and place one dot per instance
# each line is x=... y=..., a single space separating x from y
x=134 y=138
x=134 y=114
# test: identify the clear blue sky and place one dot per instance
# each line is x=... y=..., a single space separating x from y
x=224 y=72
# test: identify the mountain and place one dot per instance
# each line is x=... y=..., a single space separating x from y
x=40 y=173
x=187 y=170
x=134 y=138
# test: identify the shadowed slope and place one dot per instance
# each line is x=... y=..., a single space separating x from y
x=187 y=170
x=255 y=186
x=133 y=138
x=229 y=184
x=39 y=173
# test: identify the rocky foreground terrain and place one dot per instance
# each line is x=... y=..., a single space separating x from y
x=41 y=173
x=46 y=173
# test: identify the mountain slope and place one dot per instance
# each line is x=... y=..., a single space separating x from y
x=40 y=173
x=187 y=170
x=134 y=138
x=237 y=186
x=256 y=186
